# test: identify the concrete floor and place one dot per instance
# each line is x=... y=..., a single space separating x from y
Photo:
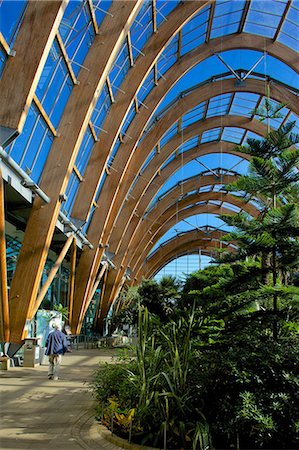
x=37 y=413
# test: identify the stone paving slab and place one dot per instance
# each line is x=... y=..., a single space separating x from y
x=42 y=414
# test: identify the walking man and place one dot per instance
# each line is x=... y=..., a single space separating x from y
x=56 y=346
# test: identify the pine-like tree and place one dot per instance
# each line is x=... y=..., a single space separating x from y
x=272 y=184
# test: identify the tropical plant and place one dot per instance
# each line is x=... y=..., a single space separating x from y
x=273 y=184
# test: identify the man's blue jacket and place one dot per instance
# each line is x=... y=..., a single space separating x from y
x=56 y=343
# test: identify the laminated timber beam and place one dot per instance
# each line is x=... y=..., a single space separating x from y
x=117 y=185
x=101 y=152
x=113 y=194
x=176 y=247
x=22 y=72
x=103 y=271
x=61 y=160
x=165 y=214
x=44 y=289
x=71 y=286
x=4 y=311
x=202 y=94
x=164 y=217
x=189 y=132
x=180 y=246
x=148 y=238
x=118 y=110
x=90 y=260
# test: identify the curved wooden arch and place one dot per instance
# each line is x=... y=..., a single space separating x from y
x=179 y=246
x=176 y=249
x=90 y=261
x=208 y=251
x=245 y=41
x=170 y=147
x=144 y=195
x=163 y=218
x=61 y=159
x=201 y=94
x=21 y=74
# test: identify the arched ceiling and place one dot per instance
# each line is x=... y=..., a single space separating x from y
x=117 y=128
x=186 y=243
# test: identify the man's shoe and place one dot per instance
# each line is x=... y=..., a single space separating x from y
x=50 y=377
x=55 y=378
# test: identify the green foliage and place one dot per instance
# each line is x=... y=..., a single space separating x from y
x=217 y=360
x=160 y=298
x=63 y=310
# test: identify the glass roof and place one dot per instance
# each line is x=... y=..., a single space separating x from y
x=183 y=265
x=277 y=20
x=204 y=222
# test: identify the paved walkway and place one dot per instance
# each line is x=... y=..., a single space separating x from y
x=37 y=413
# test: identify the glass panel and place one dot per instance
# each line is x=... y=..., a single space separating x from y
x=169 y=134
x=294 y=118
x=55 y=85
x=77 y=32
x=142 y=28
x=232 y=134
x=218 y=106
x=129 y=117
x=85 y=151
x=148 y=160
x=194 y=114
x=210 y=135
x=244 y=104
x=227 y=17
x=120 y=69
x=31 y=148
x=100 y=8
x=264 y=17
x=289 y=34
x=194 y=32
x=71 y=192
x=168 y=57
x=276 y=122
x=11 y=16
x=182 y=266
x=163 y=8
x=146 y=87
x=191 y=143
x=3 y=58
x=85 y=228
x=104 y=176
x=101 y=110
